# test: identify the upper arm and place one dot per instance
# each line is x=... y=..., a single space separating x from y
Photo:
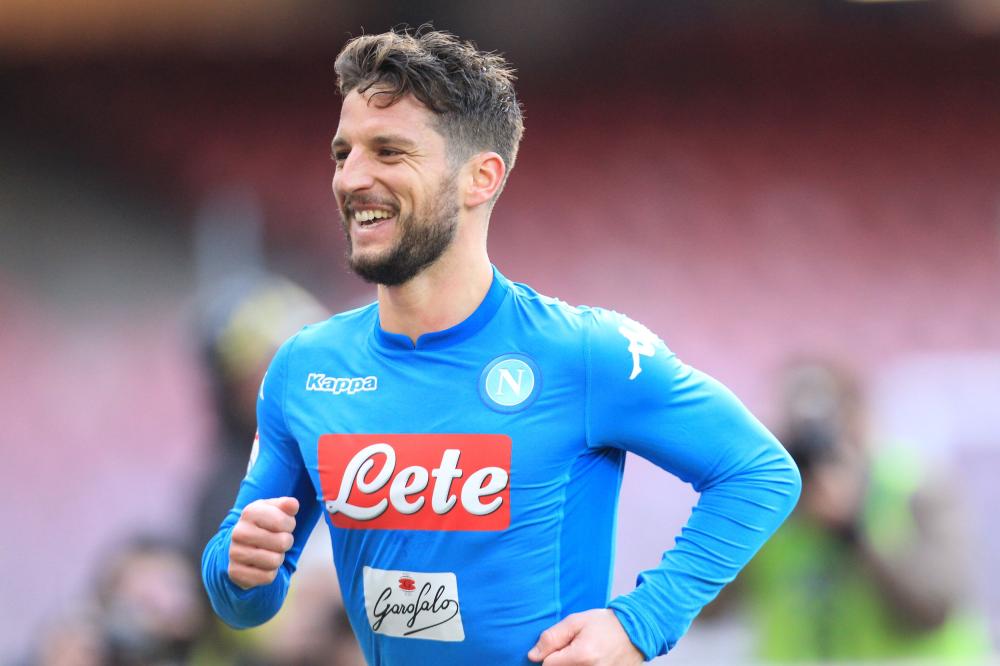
x=642 y=398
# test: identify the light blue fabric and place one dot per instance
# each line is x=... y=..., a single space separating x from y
x=602 y=385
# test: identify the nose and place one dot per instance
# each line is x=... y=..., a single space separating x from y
x=355 y=174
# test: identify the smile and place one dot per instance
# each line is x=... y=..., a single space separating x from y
x=368 y=216
x=371 y=217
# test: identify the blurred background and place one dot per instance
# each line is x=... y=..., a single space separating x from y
x=801 y=197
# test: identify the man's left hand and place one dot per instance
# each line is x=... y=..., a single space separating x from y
x=591 y=638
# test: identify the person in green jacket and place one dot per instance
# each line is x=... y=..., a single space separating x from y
x=871 y=565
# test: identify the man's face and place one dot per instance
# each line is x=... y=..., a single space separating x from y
x=394 y=186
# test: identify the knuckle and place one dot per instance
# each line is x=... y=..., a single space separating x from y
x=237 y=574
x=235 y=553
x=273 y=560
x=239 y=531
x=243 y=557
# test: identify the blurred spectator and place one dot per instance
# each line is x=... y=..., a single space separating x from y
x=151 y=608
x=312 y=628
x=73 y=640
x=244 y=321
x=871 y=563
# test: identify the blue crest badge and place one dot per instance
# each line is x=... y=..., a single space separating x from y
x=510 y=383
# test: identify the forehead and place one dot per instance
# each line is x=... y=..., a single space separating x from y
x=362 y=117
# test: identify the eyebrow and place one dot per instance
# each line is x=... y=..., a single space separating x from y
x=379 y=140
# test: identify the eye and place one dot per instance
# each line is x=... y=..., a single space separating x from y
x=339 y=156
x=388 y=152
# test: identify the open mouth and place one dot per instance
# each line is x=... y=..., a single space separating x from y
x=371 y=217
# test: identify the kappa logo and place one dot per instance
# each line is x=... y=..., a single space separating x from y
x=317 y=381
x=510 y=383
x=254 y=452
x=641 y=342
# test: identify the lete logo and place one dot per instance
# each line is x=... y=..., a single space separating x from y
x=416 y=482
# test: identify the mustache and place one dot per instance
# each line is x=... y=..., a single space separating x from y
x=355 y=200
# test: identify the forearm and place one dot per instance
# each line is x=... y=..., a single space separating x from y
x=277 y=473
x=237 y=607
x=728 y=525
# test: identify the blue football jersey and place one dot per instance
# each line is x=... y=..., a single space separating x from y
x=470 y=480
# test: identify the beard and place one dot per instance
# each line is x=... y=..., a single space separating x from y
x=422 y=237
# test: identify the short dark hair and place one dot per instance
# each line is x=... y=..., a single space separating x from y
x=470 y=91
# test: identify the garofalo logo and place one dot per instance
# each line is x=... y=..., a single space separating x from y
x=410 y=604
x=318 y=381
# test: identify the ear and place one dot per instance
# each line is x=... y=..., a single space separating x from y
x=486 y=172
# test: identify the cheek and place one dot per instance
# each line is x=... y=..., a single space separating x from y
x=335 y=186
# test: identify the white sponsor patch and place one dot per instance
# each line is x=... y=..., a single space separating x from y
x=409 y=604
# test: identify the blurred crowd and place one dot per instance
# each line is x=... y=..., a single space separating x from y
x=872 y=564
x=146 y=606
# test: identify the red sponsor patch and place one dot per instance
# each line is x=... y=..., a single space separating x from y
x=407 y=584
x=416 y=482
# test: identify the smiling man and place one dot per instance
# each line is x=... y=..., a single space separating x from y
x=464 y=437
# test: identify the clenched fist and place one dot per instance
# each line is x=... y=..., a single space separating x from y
x=260 y=540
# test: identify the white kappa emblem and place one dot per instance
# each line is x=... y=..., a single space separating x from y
x=641 y=342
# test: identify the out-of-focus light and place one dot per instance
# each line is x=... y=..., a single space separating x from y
x=881 y=2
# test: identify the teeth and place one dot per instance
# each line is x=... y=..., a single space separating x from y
x=369 y=215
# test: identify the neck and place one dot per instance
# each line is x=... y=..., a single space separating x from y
x=441 y=296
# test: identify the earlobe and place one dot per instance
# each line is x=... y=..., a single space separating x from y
x=487 y=174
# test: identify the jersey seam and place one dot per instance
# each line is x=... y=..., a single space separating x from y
x=284 y=388
x=557 y=579
x=587 y=381
x=568 y=476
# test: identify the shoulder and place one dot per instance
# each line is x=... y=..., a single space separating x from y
x=341 y=330
x=598 y=327
x=552 y=312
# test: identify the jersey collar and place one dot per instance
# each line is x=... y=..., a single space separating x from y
x=450 y=336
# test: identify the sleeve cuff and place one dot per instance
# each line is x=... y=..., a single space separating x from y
x=645 y=636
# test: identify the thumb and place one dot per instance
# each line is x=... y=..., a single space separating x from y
x=554 y=638
x=289 y=505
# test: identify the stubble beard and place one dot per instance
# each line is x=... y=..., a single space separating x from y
x=419 y=243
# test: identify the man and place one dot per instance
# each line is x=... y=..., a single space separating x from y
x=465 y=437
